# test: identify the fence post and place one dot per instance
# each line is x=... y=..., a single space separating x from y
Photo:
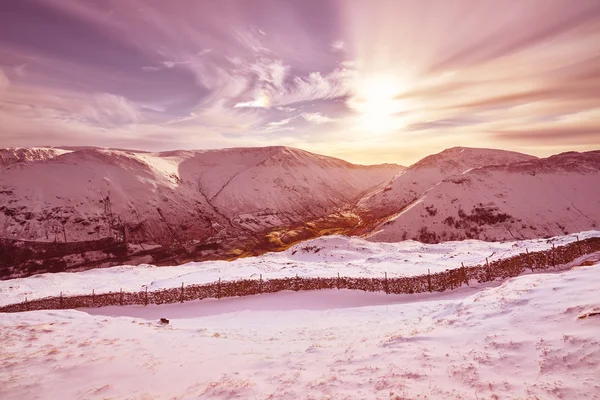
x=182 y=292
x=553 y=259
x=61 y=300
x=26 y=304
x=296 y=283
x=387 y=288
x=464 y=270
x=529 y=259
x=121 y=297
x=219 y=289
x=429 y=279
x=146 y=297
x=260 y=285
x=338 y=281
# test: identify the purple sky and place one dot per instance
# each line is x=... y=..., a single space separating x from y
x=367 y=81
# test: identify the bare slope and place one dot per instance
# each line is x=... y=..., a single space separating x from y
x=527 y=199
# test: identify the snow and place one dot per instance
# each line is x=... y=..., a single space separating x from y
x=431 y=170
x=59 y=189
x=544 y=197
x=520 y=340
x=322 y=257
x=13 y=155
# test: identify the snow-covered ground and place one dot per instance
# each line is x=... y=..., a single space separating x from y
x=321 y=257
x=460 y=193
x=520 y=340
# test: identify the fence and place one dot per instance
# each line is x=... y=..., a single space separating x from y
x=437 y=282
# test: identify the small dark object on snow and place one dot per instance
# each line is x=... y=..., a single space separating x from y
x=164 y=321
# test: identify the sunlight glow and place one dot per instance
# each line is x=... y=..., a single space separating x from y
x=377 y=102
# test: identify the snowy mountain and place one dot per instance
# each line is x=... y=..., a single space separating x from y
x=411 y=184
x=15 y=155
x=85 y=205
x=82 y=207
x=522 y=198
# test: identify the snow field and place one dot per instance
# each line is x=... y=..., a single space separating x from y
x=520 y=340
x=321 y=257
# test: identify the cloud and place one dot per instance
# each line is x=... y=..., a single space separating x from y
x=109 y=110
x=285 y=109
x=151 y=68
x=20 y=70
x=566 y=134
x=165 y=65
x=155 y=108
x=261 y=100
x=316 y=86
x=338 y=45
x=4 y=82
x=270 y=72
x=316 y=118
x=274 y=87
x=280 y=123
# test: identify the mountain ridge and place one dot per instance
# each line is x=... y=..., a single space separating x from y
x=64 y=209
x=521 y=200
x=194 y=204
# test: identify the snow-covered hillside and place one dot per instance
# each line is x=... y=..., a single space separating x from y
x=322 y=257
x=63 y=209
x=532 y=337
x=420 y=177
x=24 y=154
x=534 y=198
x=172 y=199
x=254 y=187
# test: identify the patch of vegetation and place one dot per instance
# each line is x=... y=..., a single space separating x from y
x=310 y=249
x=424 y=236
x=482 y=215
x=459 y=181
x=431 y=210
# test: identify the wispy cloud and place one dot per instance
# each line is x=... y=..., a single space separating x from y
x=338 y=45
x=108 y=110
x=316 y=118
x=4 y=82
x=275 y=87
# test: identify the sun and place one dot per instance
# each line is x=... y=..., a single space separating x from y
x=376 y=100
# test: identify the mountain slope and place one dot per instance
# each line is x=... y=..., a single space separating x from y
x=412 y=183
x=22 y=154
x=181 y=202
x=528 y=199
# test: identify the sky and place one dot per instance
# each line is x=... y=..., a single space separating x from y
x=366 y=81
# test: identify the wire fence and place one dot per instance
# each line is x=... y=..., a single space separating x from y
x=436 y=282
